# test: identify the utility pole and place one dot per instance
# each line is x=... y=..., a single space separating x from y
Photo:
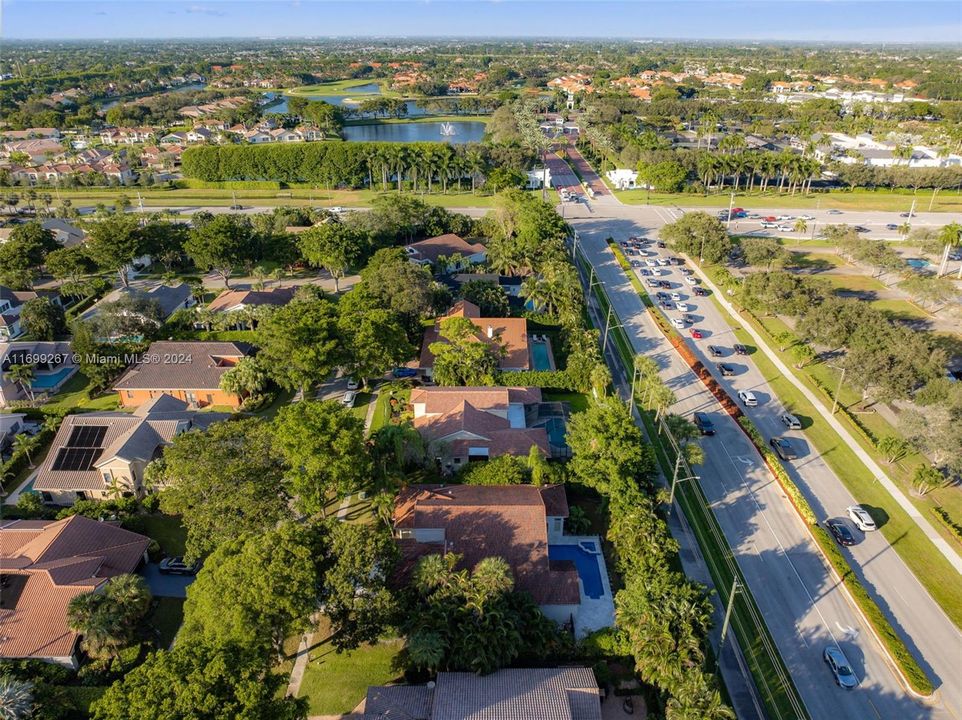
x=728 y=614
x=731 y=204
x=912 y=211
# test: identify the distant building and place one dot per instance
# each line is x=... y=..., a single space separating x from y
x=623 y=178
x=430 y=251
x=52 y=362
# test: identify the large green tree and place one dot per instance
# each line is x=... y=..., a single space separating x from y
x=463 y=357
x=698 y=235
x=113 y=242
x=300 y=343
x=224 y=482
x=375 y=341
x=324 y=446
x=23 y=253
x=43 y=318
x=221 y=244
x=334 y=246
x=200 y=681
x=256 y=589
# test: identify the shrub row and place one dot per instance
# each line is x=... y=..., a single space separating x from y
x=949 y=523
x=22 y=455
x=553 y=379
x=193 y=184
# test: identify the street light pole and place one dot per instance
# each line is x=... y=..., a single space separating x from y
x=728 y=614
x=838 y=389
x=731 y=204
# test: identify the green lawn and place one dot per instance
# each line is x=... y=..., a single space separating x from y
x=855 y=200
x=334 y=683
x=166 y=617
x=167 y=530
x=359 y=410
x=343 y=87
x=576 y=400
x=73 y=397
x=814 y=261
x=382 y=410
x=901 y=310
x=925 y=561
x=282 y=398
x=854 y=283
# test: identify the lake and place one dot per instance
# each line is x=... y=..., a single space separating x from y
x=180 y=88
x=465 y=132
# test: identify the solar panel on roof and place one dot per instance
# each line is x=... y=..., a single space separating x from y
x=76 y=459
x=87 y=436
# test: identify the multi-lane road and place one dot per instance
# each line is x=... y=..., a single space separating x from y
x=802 y=602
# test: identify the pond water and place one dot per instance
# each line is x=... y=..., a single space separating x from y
x=464 y=132
x=345 y=101
x=179 y=88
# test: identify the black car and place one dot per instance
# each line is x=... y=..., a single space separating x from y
x=725 y=370
x=700 y=291
x=704 y=424
x=740 y=349
x=715 y=351
x=177 y=566
x=840 y=531
x=665 y=284
x=861 y=229
x=783 y=446
x=236 y=207
x=661 y=244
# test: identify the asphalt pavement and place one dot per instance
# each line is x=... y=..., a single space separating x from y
x=799 y=596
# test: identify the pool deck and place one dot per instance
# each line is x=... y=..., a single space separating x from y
x=26 y=485
x=593 y=614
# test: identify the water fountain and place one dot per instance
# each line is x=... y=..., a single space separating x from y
x=447 y=129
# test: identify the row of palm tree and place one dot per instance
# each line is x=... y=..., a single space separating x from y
x=424 y=164
x=793 y=172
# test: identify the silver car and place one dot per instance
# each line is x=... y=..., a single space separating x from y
x=863 y=521
x=838 y=664
x=790 y=421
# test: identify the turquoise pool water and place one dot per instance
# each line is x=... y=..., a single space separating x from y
x=556 y=430
x=540 y=356
x=587 y=564
x=47 y=381
x=917 y=263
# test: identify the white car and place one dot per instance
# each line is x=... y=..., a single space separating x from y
x=691 y=280
x=684 y=307
x=662 y=261
x=675 y=296
x=352 y=384
x=766 y=224
x=748 y=398
x=336 y=209
x=651 y=283
x=784 y=228
x=348 y=399
x=678 y=323
x=863 y=521
x=806 y=217
x=784 y=218
x=649 y=262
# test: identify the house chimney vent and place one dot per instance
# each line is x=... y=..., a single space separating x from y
x=490 y=331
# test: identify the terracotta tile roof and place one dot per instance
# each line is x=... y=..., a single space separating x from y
x=45 y=565
x=232 y=298
x=486 y=521
x=183 y=366
x=446 y=245
x=510 y=333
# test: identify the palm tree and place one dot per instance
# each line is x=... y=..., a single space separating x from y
x=23 y=376
x=23 y=443
x=16 y=698
x=89 y=615
x=800 y=226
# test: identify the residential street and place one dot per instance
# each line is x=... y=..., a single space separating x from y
x=802 y=602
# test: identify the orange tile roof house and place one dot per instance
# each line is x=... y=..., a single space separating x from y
x=94 y=453
x=236 y=301
x=567 y=693
x=45 y=564
x=190 y=371
x=428 y=252
x=513 y=522
x=511 y=334
x=461 y=424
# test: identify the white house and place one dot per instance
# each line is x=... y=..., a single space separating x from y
x=538 y=177
x=623 y=178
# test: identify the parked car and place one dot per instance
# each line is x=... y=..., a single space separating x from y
x=704 y=424
x=838 y=664
x=403 y=372
x=748 y=398
x=783 y=446
x=688 y=318
x=649 y=262
x=675 y=296
x=662 y=261
x=666 y=305
x=661 y=244
x=665 y=284
x=833 y=211
x=678 y=323
x=806 y=217
x=177 y=566
x=685 y=271
x=352 y=384
x=348 y=398
x=715 y=351
x=683 y=306
x=651 y=283
x=696 y=333
x=635 y=263
x=784 y=228
x=645 y=271
x=790 y=421
x=769 y=224
x=840 y=531
x=863 y=521
x=784 y=218
x=691 y=280
x=725 y=369
x=740 y=349
x=700 y=291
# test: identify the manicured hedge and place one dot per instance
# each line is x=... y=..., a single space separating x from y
x=553 y=379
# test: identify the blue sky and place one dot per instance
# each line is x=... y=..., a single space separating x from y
x=829 y=20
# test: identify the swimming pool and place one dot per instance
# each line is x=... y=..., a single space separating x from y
x=917 y=263
x=540 y=355
x=50 y=380
x=556 y=429
x=587 y=563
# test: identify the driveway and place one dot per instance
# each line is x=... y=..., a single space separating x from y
x=166 y=585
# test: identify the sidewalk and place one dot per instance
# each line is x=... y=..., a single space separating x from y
x=913 y=512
